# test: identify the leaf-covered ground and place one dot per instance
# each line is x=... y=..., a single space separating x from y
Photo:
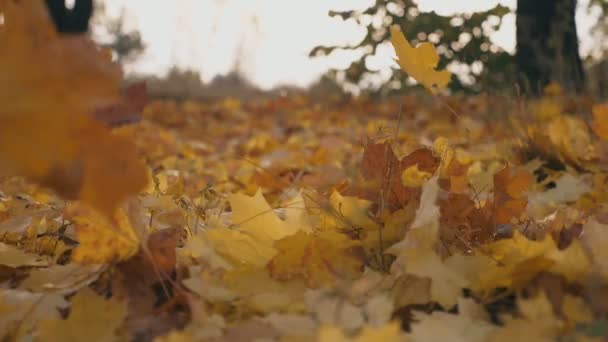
x=413 y=218
x=296 y=219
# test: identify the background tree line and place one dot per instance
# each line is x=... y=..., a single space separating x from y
x=547 y=45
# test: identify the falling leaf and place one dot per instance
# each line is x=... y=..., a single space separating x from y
x=45 y=131
x=419 y=62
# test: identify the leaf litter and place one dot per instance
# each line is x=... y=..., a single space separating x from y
x=294 y=218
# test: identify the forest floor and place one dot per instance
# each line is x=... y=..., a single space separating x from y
x=291 y=219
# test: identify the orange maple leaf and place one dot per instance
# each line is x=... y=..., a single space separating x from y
x=49 y=84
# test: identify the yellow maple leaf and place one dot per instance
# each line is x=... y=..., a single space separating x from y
x=413 y=177
x=600 y=120
x=575 y=311
x=12 y=256
x=255 y=217
x=419 y=62
x=258 y=227
x=471 y=324
x=538 y=323
x=101 y=240
x=320 y=258
x=261 y=293
x=91 y=316
x=46 y=131
x=238 y=248
x=565 y=137
x=595 y=239
x=390 y=332
x=519 y=260
x=354 y=210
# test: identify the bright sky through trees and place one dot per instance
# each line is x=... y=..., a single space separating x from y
x=269 y=40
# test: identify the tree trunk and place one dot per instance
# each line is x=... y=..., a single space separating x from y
x=547 y=45
x=75 y=20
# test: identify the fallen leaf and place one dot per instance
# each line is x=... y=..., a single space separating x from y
x=79 y=326
x=100 y=239
x=12 y=256
x=321 y=258
x=390 y=332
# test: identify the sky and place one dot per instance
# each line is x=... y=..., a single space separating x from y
x=269 y=40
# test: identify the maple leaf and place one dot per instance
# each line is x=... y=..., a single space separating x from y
x=575 y=311
x=510 y=201
x=381 y=167
x=321 y=258
x=102 y=240
x=261 y=293
x=258 y=228
x=416 y=254
x=255 y=217
x=355 y=211
x=16 y=304
x=565 y=138
x=239 y=248
x=423 y=234
x=596 y=240
x=109 y=315
x=568 y=188
x=14 y=257
x=61 y=278
x=520 y=259
x=419 y=62
x=538 y=323
x=390 y=332
x=412 y=177
x=46 y=133
x=600 y=121
x=471 y=324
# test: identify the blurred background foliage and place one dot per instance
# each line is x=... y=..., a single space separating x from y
x=462 y=41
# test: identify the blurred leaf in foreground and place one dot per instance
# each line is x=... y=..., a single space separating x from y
x=49 y=86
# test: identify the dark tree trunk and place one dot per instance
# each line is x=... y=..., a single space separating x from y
x=547 y=45
x=75 y=20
